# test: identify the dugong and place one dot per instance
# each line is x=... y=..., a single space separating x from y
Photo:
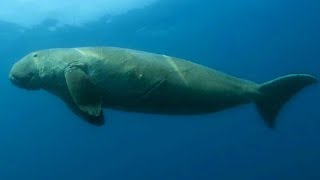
x=88 y=79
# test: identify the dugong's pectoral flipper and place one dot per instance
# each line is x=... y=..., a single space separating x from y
x=274 y=94
x=83 y=91
x=95 y=120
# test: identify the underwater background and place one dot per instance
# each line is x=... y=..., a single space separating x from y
x=40 y=138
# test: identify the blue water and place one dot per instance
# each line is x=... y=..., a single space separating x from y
x=256 y=40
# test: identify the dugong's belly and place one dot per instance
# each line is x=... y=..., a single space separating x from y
x=145 y=82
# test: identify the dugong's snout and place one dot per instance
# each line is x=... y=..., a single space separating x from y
x=25 y=74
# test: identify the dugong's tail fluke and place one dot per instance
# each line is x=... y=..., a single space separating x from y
x=275 y=93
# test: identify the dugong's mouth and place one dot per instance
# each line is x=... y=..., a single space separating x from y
x=16 y=81
x=24 y=83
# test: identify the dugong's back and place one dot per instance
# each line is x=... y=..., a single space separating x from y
x=141 y=81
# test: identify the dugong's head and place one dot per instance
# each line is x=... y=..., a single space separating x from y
x=25 y=73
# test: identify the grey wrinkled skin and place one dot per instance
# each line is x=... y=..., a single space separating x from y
x=133 y=80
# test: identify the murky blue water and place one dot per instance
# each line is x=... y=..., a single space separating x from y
x=256 y=40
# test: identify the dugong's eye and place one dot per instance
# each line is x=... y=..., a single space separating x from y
x=35 y=55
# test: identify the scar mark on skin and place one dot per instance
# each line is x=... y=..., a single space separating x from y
x=152 y=88
x=40 y=69
x=89 y=53
x=176 y=68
